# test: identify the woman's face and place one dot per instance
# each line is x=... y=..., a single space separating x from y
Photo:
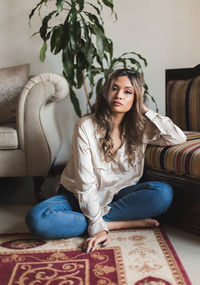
x=121 y=95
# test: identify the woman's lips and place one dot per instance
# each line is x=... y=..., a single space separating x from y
x=117 y=103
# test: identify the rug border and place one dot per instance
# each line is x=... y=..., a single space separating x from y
x=174 y=253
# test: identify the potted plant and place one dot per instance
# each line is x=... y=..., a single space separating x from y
x=87 y=53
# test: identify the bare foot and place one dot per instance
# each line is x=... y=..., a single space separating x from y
x=150 y=223
x=132 y=224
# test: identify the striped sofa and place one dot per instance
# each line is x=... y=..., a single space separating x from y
x=180 y=165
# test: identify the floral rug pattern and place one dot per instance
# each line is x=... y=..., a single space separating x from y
x=134 y=257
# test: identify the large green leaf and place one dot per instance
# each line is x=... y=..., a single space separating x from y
x=100 y=42
x=96 y=8
x=79 y=77
x=43 y=52
x=81 y=4
x=108 y=47
x=100 y=4
x=108 y=3
x=66 y=31
x=86 y=31
x=128 y=62
x=44 y=27
x=36 y=7
x=75 y=36
x=59 y=4
x=90 y=76
x=57 y=39
x=137 y=54
x=75 y=102
x=73 y=26
x=68 y=66
x=99 y=86
x=95 y=21
x=89 y=54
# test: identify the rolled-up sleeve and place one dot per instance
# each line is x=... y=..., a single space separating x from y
x=86 y=191
x=160 y=130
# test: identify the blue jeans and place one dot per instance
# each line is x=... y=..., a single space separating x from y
x=60 y=216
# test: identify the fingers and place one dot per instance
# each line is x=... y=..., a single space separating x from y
x=87 y=245
x=91 y=243
x=105 y=243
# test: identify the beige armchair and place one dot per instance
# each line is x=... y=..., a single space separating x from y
x=29 y=147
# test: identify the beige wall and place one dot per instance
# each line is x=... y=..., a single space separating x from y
x=165 y=32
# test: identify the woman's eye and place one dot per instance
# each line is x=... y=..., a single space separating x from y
x=114 y=88
x=128 y=92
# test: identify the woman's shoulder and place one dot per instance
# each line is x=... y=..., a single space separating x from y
x=87 y=121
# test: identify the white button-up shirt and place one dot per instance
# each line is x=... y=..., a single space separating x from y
x=94 y=181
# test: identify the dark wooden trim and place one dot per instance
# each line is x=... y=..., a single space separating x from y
x=184 y=212
x=184 y=181
x=182 y=73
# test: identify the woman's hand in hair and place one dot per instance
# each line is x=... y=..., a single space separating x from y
x=143 y=107
x=91 y=243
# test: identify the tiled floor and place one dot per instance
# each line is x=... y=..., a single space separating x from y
x=17 y=198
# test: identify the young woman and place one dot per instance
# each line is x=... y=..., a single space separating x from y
x=99 y=189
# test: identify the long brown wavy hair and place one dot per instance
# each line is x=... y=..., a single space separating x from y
x=133 y=122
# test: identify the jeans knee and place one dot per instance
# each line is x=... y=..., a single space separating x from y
x=33 y=222
x=46 y=223
x=164 y=195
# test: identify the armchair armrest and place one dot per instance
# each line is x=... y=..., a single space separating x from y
x=37 y=128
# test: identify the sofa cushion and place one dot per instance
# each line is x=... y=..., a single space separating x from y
x=8 y=137
x=183 y=103
x=12 y=81
x=183 y=159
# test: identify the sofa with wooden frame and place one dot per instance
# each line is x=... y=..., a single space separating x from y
x=180 y=165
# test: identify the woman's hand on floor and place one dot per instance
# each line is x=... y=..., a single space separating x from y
x=91 y=243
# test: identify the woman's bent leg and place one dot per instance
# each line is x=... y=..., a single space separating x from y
x=141 y=201
x=54 y=219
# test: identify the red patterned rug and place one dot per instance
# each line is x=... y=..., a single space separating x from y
x=134 y=257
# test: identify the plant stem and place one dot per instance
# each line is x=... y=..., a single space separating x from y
x=86 y=90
